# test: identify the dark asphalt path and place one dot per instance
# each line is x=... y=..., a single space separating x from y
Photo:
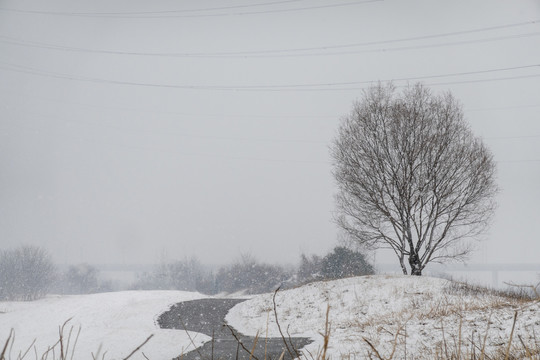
x=207 y=316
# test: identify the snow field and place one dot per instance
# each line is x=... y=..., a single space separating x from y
x=112 y=323
x=396 y=314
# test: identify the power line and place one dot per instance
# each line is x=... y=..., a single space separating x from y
x=283 y=87
x=390 y=41
x=237 y=115
x=181 y=13
x=246 y=158
x=413 y=47
x=229 y=115
x=189 y=10
x=148 y=12
x=484 y=80
x=307 y=51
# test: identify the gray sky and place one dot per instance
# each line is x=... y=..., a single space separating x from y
x=136 y=130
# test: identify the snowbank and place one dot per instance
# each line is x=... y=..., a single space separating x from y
x=115 y=322
x=417 y=314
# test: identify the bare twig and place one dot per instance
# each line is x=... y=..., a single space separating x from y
x=213 y=340
x=254 y=344
x=75 y=343
x=483 y=353
x=525 y=347
x=326 y=335
x=139 y=347
x=511 y=335
x=534 y=288
x=96 y=357
x=190 y=338
x=240 y=343
x=6 y=345
x=373 y=348
x=27 y=350
x=266 y=339
x=279 y=326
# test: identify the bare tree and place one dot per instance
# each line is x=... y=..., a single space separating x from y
x=26 y=273
x=412 y=177
x=80 y=279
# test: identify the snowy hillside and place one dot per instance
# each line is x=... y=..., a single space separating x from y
x=399 y=314
x=116 y=322
x=419 y=315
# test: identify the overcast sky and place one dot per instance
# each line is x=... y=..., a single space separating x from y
x=134 y=130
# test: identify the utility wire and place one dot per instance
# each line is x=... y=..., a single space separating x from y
x=182 y=13
x=307 y=51
x=228 y=116
x=232 y=138
x=149 y=12
x=411 y=47
x=282 y=87
x=242 y=158
x=186 y=10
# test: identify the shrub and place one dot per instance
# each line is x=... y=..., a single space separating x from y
x=309 y=269
x=26 y=273
x=250 y=275
x=343 y=262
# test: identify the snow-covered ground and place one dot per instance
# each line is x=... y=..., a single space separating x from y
x=417 y=314
x=116 y=323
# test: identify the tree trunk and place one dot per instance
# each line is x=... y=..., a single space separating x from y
x=416 y=266
x=403 y=267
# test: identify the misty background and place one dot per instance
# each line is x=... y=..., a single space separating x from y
x=138 y=131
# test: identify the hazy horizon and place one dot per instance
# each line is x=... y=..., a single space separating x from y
x=134 y=131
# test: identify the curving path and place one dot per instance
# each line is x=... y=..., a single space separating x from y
x=207 y=316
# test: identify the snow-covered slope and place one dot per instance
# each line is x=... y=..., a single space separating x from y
x=116 y=322
x=419 y=314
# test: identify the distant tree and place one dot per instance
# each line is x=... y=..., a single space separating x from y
x=187 y=275
x=310 y=269
x=247 y=274
x=412 y=177
x=26 y=273
x=81 y=279
x=343 y=262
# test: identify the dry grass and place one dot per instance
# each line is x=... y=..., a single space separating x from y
x=62 y=349
x=462 y=343
x=458 y=346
